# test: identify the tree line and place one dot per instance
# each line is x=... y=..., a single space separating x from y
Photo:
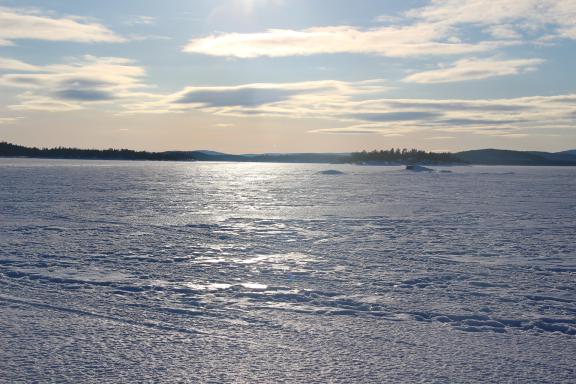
x=397 y=155
x=13 y=150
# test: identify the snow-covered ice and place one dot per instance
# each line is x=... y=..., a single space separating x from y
x=268 y=273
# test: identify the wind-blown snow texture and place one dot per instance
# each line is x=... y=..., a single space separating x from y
x=267 y=273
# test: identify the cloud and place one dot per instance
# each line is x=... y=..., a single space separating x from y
x=35 y=102
x=117 y=74
x=258 y=94
x=382 y=129
x=503 y=31
x=244 y=97
x=137 y=37
x=17 y=23
x=440 y=138
x=260 y=98
x=496 y=11
x=487 y=106
x=389 y=19
x=394 y=41
x=140 y=20
x=345 y=131
x=16 y=65
x=475 y=122
x=474 y=69
x=394 y=116
x=504 y=18
x=9 y=120
x=80 y=81
x=84 y=95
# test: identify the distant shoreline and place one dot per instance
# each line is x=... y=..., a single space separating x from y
x=375 y=158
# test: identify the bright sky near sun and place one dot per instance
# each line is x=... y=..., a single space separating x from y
x=245 y=76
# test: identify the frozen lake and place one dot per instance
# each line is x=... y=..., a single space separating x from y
x=273 y=273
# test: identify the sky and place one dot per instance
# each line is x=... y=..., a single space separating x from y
x=253 y=76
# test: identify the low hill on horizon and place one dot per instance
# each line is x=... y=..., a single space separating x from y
x=510 y=157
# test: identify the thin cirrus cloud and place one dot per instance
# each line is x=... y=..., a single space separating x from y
x=504 y=18
x=29 y=101
x=140 y=20
x=477 y=122
x=395 y=116
x=448 y=105
x=9 y=120
x=16 y=24
x=474 y=69
x=369 y=128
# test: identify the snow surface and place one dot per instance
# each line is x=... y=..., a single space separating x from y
x=270 y=273
x=333 y=172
